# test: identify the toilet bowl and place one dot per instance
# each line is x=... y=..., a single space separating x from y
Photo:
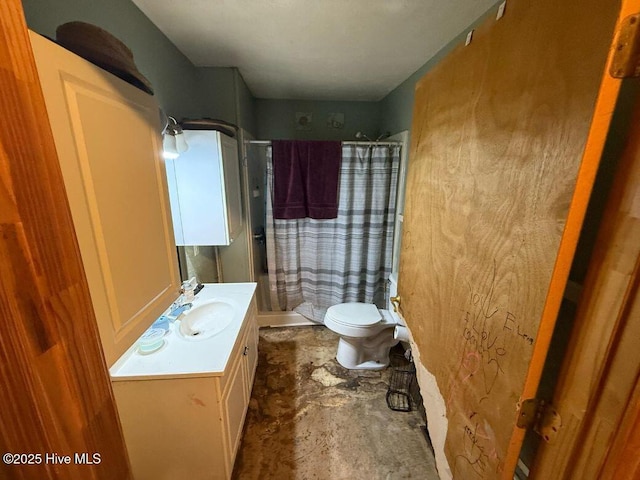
x=366 y=332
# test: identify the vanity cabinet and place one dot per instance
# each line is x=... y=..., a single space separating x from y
x=204 y=187
x=107 y=136
x=190 y=425
x=237 y=388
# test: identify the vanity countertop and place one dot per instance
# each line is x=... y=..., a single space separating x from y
x=190 y=358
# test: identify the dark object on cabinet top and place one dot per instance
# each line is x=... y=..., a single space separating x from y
x=209 y=124
x=102 y=49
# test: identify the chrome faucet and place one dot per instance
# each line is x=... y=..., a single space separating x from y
x=178 y=307
x=183 y=303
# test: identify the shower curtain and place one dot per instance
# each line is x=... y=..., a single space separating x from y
x=314 y=264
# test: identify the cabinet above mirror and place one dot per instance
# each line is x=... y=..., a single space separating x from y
x=204 y=190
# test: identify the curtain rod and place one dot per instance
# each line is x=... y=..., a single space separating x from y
x=267 y=143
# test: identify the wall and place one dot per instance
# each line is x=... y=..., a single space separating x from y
x=245 y=104
x=174 y=78
x=235 y=259
x=215 y=93
x=276 y=119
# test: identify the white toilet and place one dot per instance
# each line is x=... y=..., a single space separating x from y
x=366 y=332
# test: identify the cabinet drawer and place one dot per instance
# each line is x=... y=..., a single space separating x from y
x=234 y=404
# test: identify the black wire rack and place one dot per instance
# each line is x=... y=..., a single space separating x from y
x=401 y=384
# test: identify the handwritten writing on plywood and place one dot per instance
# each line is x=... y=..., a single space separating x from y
x=498 y=134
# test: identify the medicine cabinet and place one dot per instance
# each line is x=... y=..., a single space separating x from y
x=204 y=190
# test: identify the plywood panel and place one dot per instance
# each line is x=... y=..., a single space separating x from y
x=499 y=132
x=55 y=394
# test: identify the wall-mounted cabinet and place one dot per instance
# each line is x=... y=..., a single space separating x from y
x=204 y=188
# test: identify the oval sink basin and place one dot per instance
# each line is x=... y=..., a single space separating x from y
x=206 y=320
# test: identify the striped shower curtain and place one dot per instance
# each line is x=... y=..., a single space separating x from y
x=314 y=264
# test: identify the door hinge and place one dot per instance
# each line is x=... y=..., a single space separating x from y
x=626 y=56
x=540 y=416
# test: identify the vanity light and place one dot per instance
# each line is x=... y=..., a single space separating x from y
x=173 y=141
x=181 y=143
x=169 y=150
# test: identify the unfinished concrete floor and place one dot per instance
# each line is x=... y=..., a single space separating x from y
x=310 y=418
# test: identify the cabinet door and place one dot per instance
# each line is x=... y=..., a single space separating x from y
x=197 y=191
x=234 y=404
x=204 y=186
x=233 y=198
x=107 y=135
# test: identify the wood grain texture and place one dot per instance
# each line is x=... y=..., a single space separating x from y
x=500 y=129
x=598 y=385
x=55 y=395
x=623 y=461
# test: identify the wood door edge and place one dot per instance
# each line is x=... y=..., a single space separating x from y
x=598 y=130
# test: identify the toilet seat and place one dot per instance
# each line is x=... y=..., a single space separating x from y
x=356 y=320
x=355 y=314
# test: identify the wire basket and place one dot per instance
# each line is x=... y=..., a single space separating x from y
x=403 y=378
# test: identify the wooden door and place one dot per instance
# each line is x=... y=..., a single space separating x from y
x=54 y=386
x=598 y=393
x=107 y=135
x=506 y=139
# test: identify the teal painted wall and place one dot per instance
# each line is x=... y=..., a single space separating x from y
x=246 y=106
x=182 y=89
x=223 y=94
x=172 y=75
x=276 y=119
x=396 y=108
x=216 y=93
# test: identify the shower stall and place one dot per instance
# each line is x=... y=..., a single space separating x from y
x=303 y=266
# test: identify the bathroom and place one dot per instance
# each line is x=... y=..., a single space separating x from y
x=221 y=92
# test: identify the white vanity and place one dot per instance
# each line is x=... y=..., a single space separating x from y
x=182 y=407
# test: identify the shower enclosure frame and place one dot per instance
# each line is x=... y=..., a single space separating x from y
x=270 y=318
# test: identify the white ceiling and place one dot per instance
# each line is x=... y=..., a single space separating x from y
x=314 y=49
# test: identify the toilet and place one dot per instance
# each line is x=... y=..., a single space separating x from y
x=366 y=332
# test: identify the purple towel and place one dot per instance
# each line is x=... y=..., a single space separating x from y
x=305 y=179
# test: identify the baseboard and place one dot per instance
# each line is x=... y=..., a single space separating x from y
x=283 y=319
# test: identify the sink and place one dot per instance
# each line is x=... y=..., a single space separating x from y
x=206 y=320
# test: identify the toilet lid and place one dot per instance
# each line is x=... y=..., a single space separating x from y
x=359 y=314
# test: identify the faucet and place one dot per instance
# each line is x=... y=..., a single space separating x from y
x=183 y=302
x=178 y=307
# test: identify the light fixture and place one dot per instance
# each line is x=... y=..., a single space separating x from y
x=181 y=143
x=169 y=150
x=173 y=141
